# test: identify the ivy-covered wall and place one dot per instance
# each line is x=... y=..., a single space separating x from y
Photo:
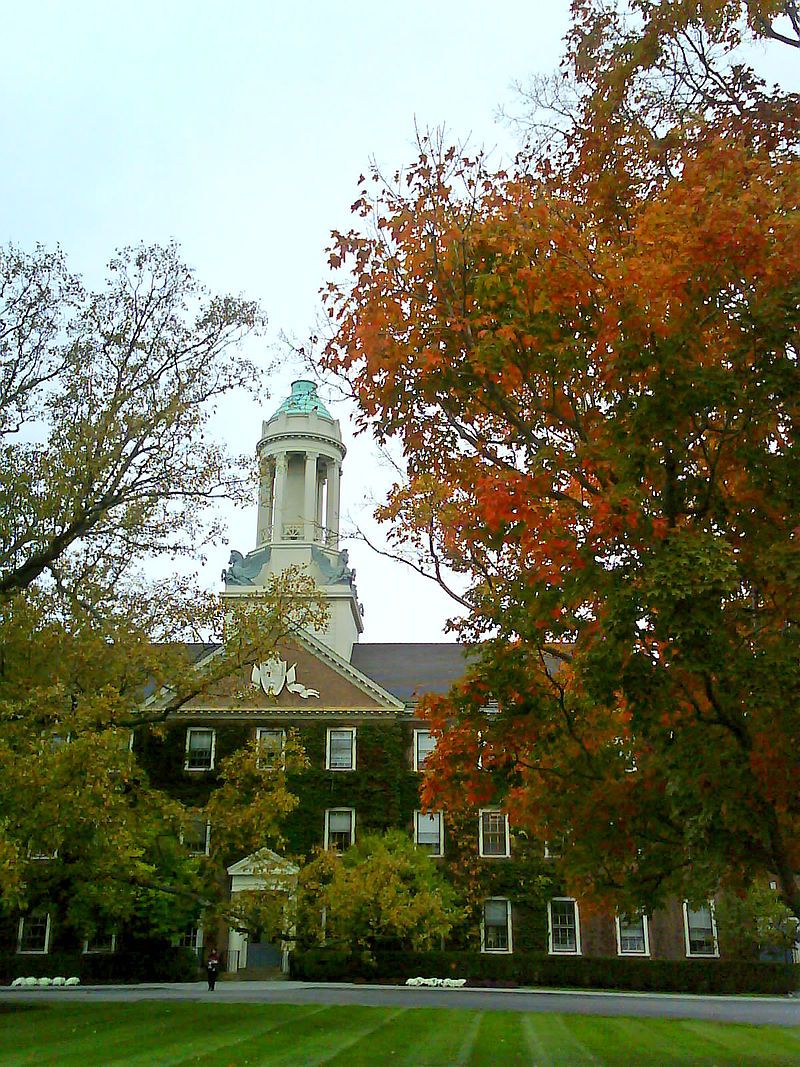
x=383 y=790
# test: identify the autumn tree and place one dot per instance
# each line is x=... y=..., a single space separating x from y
x=105 y=400
x=590 y=363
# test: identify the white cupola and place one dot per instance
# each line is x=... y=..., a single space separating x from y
x=300 y=465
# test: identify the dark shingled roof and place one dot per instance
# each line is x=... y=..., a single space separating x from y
x=195 y=650
x=410 y=670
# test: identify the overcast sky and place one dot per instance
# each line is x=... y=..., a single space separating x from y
x=239 y=129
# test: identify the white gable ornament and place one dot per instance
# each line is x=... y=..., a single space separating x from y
x=274 y=674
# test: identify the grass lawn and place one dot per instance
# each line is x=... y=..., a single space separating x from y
x=155 y=1034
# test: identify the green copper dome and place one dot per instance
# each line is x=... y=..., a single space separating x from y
x=303 y=401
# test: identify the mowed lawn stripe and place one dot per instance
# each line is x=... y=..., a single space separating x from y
x=538 y=1055
x=609 y=1040
x=219 y=1029
x=429 y=1036
x=317 y=1038
x=500 y=1040
x=562 y=1045
x=470 y=1036
x=742 y=1044
x=138 y=1035
x=30 y=1028
x=170 y=1034
x=65 y=1033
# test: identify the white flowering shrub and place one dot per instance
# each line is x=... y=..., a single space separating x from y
x=28 y=983
x=438 y=983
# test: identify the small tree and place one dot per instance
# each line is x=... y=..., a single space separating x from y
x=382 y=893
x=756 y=921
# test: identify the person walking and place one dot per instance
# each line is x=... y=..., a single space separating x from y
x=212 y=968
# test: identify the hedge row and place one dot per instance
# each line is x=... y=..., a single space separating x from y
x=170 y=965
x=528 y=969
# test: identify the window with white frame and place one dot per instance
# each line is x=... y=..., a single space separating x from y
x=340 y=825
x=493 y=833
x=429 y=832
x=192 y=937
x=340 y=749
x=197 y=836
x=424 y=744
x=33 y=934
x=124 y=739
x=103 y=940
x=270 y=742
x=633 y=936
x=700 y=929
x=200 y=744
x=496 y=925
x=37 y=850
x=563 y=927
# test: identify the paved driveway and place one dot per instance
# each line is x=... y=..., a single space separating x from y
x=779 y=1011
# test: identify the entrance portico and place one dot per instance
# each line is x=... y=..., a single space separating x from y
x=262 y=870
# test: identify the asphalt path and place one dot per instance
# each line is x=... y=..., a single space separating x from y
x=776 y=1011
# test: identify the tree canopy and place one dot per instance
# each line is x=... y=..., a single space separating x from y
x=590 y=362
x=105 y=401
x=383 y=892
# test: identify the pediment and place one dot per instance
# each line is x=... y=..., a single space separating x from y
x=262 y=862
x=311 y=678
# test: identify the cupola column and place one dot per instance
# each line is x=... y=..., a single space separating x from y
x=310 y=532
x=265 y=501
x=281 y=464
x=332 y=515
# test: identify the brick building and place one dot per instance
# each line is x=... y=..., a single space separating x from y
x=353 y=706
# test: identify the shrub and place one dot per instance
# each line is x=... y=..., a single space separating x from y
x=529 y=969
x=168 y=965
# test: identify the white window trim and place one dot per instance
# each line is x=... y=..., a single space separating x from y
x=560 y=951
x=417 y=766
x=200 y=729
x=352 y=812
x=281 y=763
x=440 y=853
x=340 y=730
x=509 y=929
x=59 y=741
x=207 y=849
x=700 y=955
x=126 y=743
x=100 y=951
x=645 y=930
x=33 y=951
x=41 y=857
x=492 y=855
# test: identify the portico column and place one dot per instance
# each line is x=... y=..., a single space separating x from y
x=310 y=497
x=332 y=516
x=280 y=496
